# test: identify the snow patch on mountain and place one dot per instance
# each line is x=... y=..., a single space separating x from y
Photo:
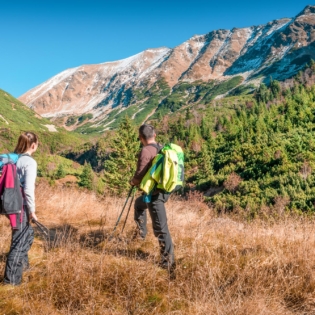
x=276 y=27
x=159 y=58
x=258 y=52
x=137 y=61
x=49 y=84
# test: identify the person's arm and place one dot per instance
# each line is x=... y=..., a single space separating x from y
x=29 y=186
x=143 y=164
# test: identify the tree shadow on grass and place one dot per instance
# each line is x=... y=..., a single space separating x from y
x=100 y=241
x=57 y=236
x=104 y=241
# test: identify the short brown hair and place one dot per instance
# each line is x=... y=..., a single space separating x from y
x=26 y=139
x=146 y=131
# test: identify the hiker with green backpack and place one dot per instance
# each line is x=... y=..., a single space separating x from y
x=17 y=187
x=159 y=172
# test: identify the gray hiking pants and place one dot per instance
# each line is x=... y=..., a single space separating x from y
x=17 y=259
x=159 y=223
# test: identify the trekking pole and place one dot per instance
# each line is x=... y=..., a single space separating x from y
x=133 y=197
x=123 y=209
x=41 y=227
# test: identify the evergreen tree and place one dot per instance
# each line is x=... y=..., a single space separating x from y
x=60 y=173
x=121 y=163
x=86 y=177
x=188 y=114
x=262 y=93
x=275 y=88
x=205 y=171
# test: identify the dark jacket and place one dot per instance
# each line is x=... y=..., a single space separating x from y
x=145 y=158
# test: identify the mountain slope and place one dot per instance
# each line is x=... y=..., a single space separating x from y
x=80 y=89
x=16 y=117
x=278 y=49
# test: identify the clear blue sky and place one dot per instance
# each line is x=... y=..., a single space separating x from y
x=42 y=38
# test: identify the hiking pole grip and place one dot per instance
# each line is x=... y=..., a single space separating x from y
x=123 y=209
x=42 y=227
x=133 y=197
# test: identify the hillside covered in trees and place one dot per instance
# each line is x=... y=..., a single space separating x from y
x=249 y=153
x=16 y=117
x=254 y=154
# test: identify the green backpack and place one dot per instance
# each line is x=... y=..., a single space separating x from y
x=167 y=170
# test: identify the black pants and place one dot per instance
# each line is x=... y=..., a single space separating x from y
x=159 y=223
x=17 y=260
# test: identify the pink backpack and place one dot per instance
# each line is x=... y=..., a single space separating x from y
x=11 y=203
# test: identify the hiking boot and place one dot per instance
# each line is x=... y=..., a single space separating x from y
x=169 y=267
x=137 y=236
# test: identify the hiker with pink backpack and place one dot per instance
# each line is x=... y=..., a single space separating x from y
x=17 y=192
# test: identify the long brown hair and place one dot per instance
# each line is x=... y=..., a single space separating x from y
x=25 y=141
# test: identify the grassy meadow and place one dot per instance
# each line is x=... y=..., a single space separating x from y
x=248 y=249
x=225 y=264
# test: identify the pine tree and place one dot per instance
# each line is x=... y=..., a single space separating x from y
x=60 y=173
x=205 y=129
x=86 y=177
x=262 y=93
x=188 y=114
x=121 y=163
x=275 y=88
x=205 y=172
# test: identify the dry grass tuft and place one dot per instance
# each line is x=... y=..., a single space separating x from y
x=224 y=265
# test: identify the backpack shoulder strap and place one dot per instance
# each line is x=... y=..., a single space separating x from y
x=24 y=154
x=10 y=161
x=157 y=146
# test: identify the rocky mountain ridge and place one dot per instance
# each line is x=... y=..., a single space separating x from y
x=278 y=49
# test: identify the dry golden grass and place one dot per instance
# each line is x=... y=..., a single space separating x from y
x=224 y=265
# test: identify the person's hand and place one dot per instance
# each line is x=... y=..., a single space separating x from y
x=131 y=183
x=33 y=216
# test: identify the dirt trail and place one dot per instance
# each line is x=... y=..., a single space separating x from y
x=134 y=115
x=51 y=128
x=4 y=119
x=149 y=116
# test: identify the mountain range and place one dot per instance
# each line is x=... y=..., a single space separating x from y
x=161 y=80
